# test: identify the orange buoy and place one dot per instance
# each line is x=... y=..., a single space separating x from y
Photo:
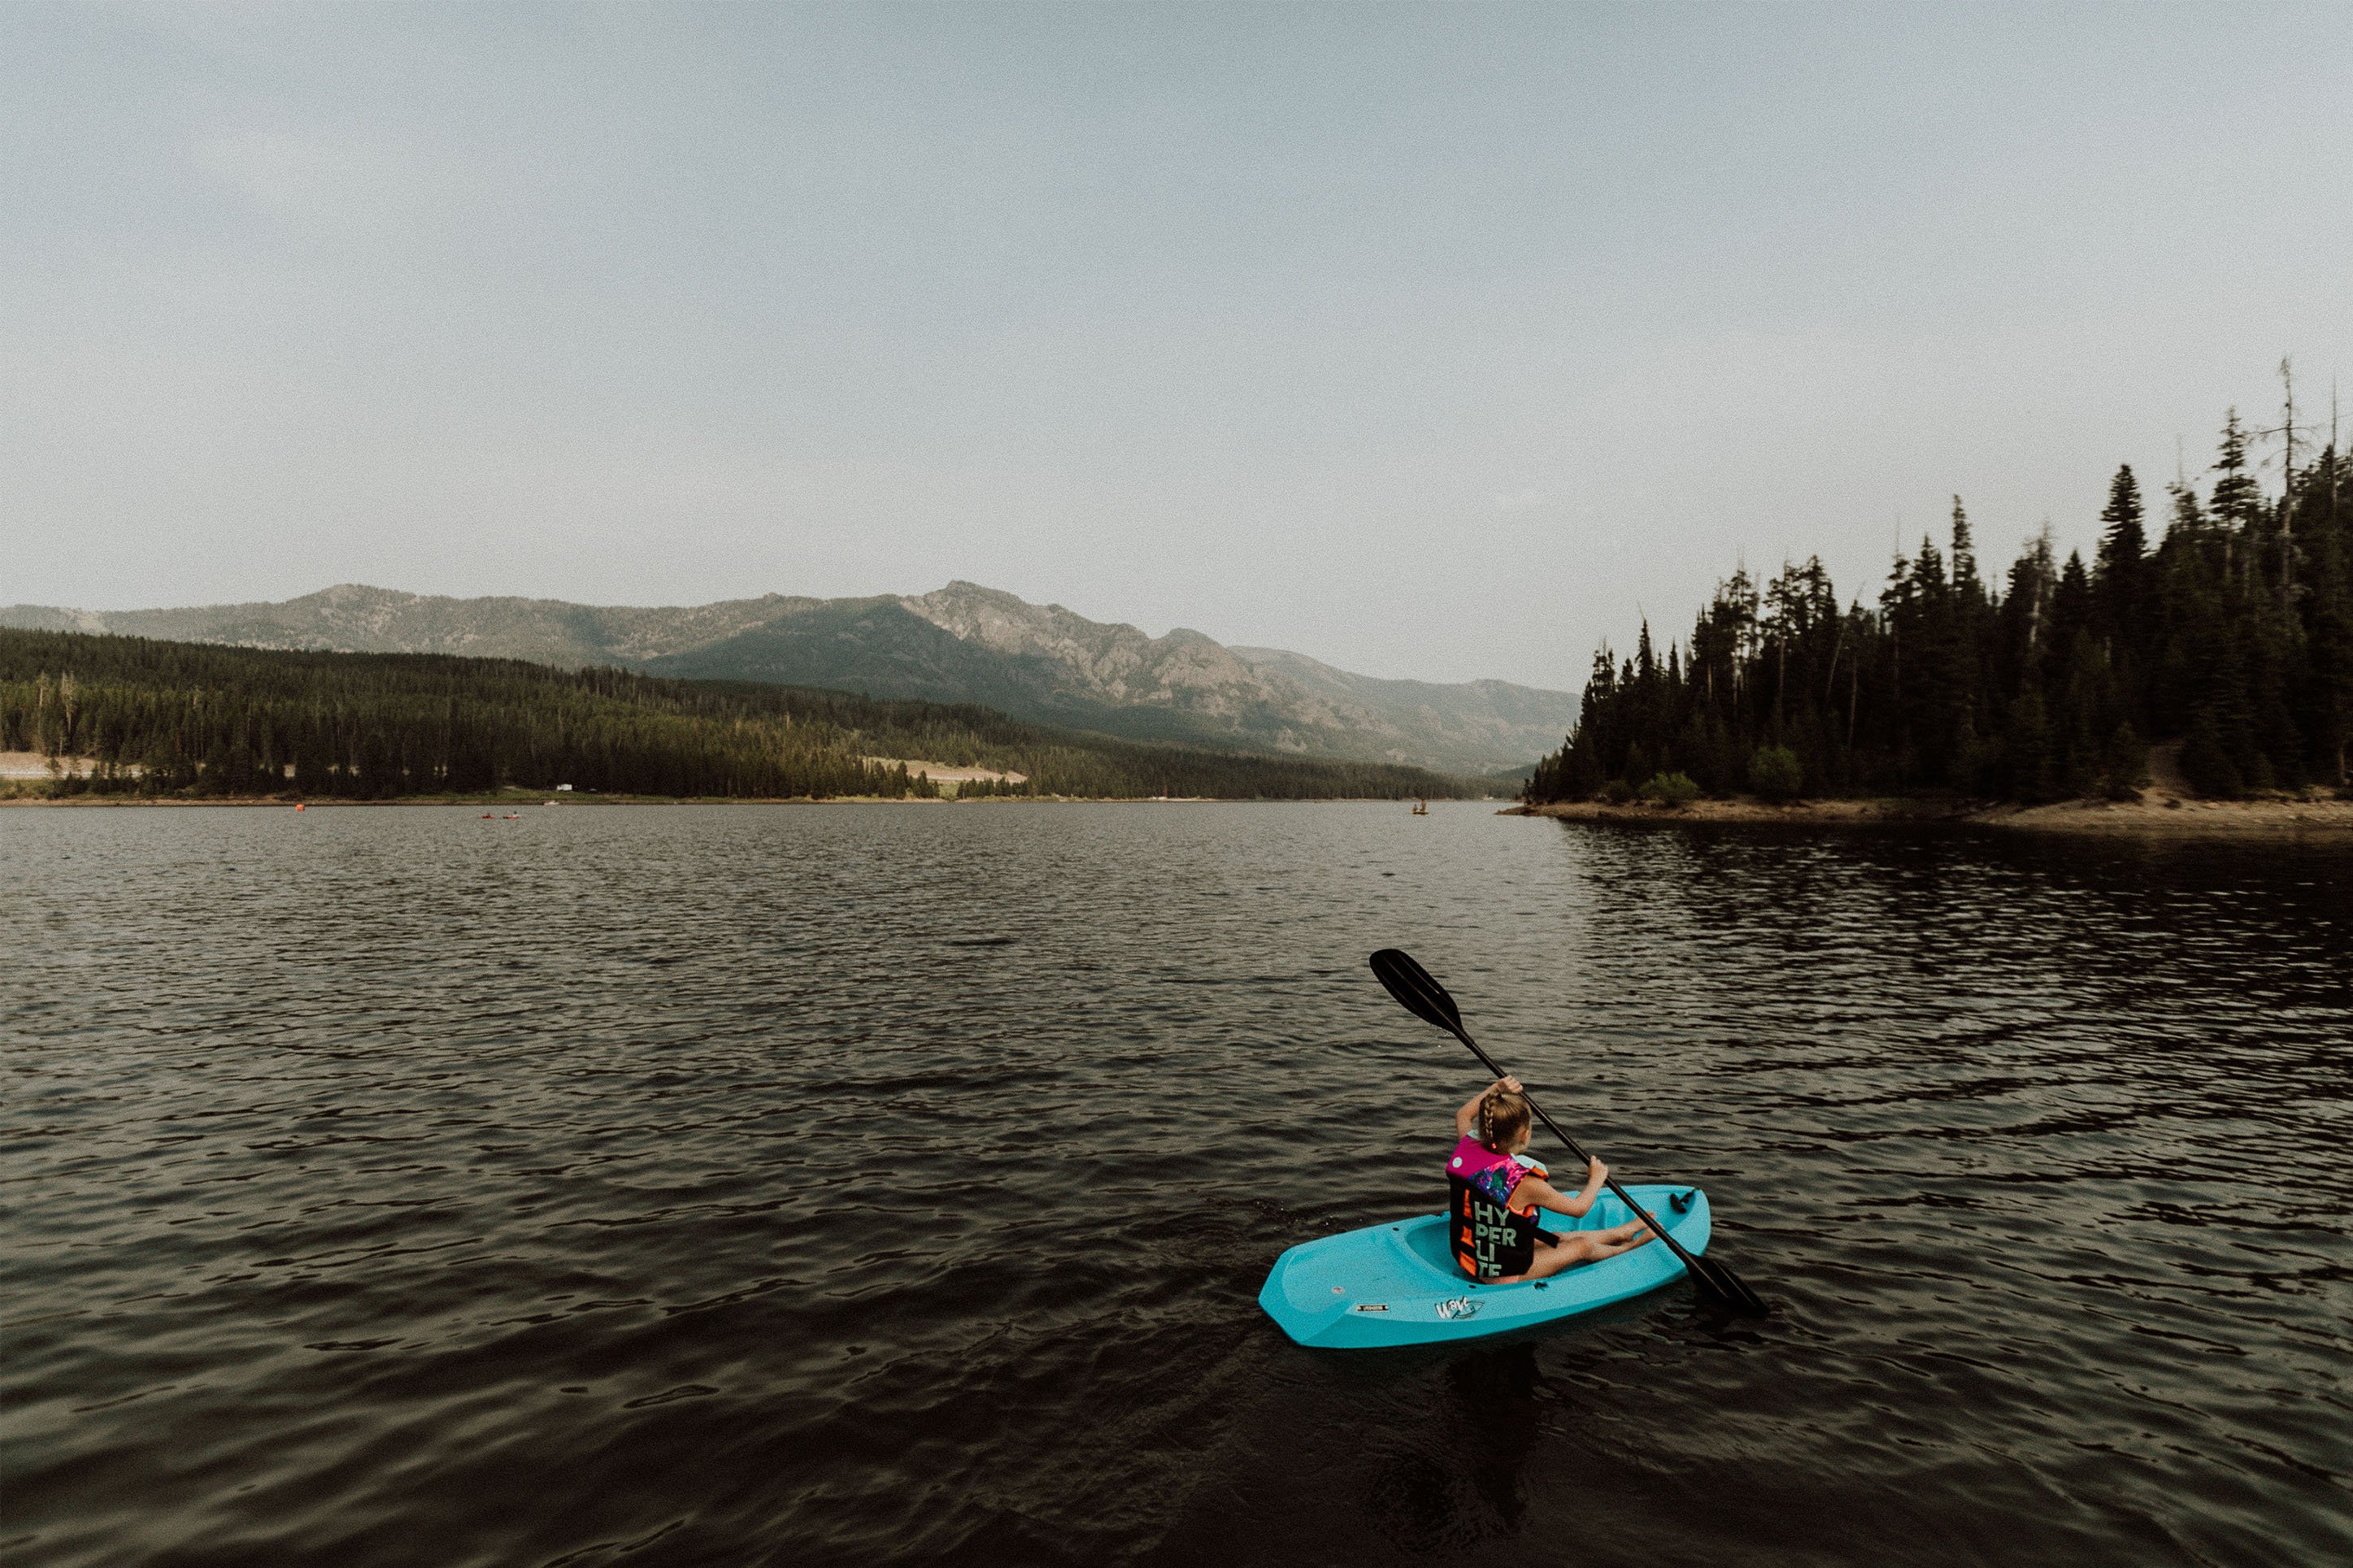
x=300 y=806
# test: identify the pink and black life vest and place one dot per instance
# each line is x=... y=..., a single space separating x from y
x=1491 y=1237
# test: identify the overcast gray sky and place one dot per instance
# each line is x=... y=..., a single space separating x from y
x=1428 y=340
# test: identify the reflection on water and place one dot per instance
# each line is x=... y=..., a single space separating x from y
x=857 y=1185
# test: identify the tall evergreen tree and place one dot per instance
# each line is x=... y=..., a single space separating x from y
x=2123 y=557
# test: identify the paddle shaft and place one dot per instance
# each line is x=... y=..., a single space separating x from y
x=1690 y=1262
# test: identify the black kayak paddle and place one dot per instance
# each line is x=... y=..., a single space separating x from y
x=1426 y=999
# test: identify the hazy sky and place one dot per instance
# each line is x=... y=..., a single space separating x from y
x=1428 y=340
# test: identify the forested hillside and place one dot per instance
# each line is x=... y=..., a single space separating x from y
x=183 y=718
x=2234 y=633
x=957 y=645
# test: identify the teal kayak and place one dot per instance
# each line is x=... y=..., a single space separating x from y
x=1396 y=1284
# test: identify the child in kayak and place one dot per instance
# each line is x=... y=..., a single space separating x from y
x=1496 y=1191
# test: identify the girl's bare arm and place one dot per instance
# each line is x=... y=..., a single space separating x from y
x=1468 y=1117
x=1545 y=1195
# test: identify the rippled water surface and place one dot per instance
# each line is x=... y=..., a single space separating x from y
x=892 y=1183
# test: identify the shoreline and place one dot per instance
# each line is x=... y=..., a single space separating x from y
x=2153 y=816
x=539 y=802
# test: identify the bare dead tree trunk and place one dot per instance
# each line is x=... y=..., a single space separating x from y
x=2287 y=488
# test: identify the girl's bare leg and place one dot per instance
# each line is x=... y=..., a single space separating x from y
x=1621 y=1238
x=1566 y=1253
x=1586 y=1246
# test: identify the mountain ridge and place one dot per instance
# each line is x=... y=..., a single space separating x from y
x=961 y=643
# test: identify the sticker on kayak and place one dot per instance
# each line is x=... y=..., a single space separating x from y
x=1370 y=1306
x=1459 y=1307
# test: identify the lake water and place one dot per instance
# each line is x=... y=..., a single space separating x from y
x=871 y=1185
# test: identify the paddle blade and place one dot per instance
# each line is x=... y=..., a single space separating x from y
x=1419 y=994
x=1728 y=1288
x=1735 y=1291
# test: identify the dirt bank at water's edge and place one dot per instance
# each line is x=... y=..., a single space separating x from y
x=2152 y=815
x=2168 y=806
